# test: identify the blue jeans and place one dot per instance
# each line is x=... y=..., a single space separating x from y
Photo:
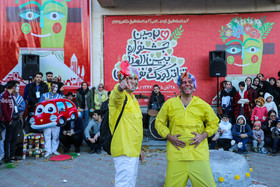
x=275 y=145
x=243 y=140
x=84 y=114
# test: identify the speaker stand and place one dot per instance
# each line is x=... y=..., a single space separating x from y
x=218 y=97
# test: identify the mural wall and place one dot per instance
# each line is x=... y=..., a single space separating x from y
x=161 y=47
x=57 y=30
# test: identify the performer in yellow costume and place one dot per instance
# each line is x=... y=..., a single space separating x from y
x=191 y=121
x=127 y=138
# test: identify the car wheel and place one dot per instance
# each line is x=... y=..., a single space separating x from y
x=73 y=116
x=61 y=121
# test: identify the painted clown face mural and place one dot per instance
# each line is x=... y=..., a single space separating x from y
x=243 y=39
x=52 y=16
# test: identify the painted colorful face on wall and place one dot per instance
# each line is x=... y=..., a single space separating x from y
x=52 y=16
x=244 y=42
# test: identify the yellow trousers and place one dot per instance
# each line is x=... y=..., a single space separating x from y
x=199 y=172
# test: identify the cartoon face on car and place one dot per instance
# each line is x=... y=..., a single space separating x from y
x=54 y=112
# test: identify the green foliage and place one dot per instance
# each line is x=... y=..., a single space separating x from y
x=222 y=33
x=265 y=29
x=176 y=34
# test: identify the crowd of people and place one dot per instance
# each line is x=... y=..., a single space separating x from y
x=252 y=109
x=85 y=127
x=249 y=113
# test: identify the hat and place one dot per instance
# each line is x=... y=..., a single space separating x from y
x=70 y=93
x=261 y=100
x=258 y=123
x=127 y=71
x=187 y=75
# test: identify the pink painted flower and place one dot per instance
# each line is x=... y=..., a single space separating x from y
x=254 y=33
x=247 y=28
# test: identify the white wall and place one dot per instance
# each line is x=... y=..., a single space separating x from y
x=159 y=7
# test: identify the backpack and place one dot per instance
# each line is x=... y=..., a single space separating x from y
x=105 y=134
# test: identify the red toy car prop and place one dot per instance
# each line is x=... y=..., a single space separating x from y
x=54 y=112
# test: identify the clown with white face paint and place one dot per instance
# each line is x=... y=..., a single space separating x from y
x=191 y=121
x=127 y=139
x=51 y=134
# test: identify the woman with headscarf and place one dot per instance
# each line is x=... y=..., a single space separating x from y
x=242 y=101
x=266 y=127
x=84 y=102
x=251 y=90
x=227 y=98
x=100 y=96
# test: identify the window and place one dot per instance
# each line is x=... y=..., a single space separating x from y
x=68 y=104
x=60 y=106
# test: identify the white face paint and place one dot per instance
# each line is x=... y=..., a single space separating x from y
x=55 y=87
x=17 y=88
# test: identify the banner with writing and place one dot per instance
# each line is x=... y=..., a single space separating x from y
x=161 y=47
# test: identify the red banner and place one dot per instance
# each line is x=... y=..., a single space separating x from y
x=58 y=31
x=161 y=47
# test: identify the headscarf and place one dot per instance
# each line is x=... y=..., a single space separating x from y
x=187 y=75
x=127 y=71
x=83 y=93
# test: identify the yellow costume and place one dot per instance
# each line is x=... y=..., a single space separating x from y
x=198 y=117
x=127 y=139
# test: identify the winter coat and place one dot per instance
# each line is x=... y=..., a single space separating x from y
x=247 y=107
x=258 y=134
x=7 y=107
x=259 y=114
x=276 y=133
x=238 y=129
x=33 y=88
x=159 y=99
x=271 y=105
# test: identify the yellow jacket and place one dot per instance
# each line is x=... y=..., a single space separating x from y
x=127 y=139
x=185 y=121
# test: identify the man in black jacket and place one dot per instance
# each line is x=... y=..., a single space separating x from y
x=36 y=90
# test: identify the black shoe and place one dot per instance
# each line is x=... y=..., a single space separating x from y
x=92 y=151
x=98 y=151
x=77 y=149
x=7 y=161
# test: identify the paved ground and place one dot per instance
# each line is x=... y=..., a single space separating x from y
x=98 y=170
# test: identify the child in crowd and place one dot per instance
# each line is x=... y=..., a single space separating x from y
x=269 y=103
x=241 y=132
x=224 y=132
x=242 y=101
x=260 y=112
x=276 y=138
x=258 y=137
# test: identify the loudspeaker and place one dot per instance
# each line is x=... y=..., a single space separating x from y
x=30 y=65
x=217 y=64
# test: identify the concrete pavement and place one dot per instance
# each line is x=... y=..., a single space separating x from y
x=98 y=170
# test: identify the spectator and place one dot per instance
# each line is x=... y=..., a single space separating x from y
x=10 y=118
x=256 y=84
x=225 y=135
x=105 y=104
x=51 y=134
x=260 y=112
x=84 y=100
x=70 y=96
x=269 y=103
x=251 y=90
x=156 y=99
x=92 y=133
x=267 y=126
x=36 y=90
x=241 y=132
x=242 y=101
x=72 y=133
x=258 y=138
x=49 y=79
x=276 y=138
x=187 y=148
x=56 y=79
x=19 y=99
x=227 y=98
x=127 y=139
x=60 y=88
x=272 y=83
x=276 y=94
x=100 y=96
x=26 y=89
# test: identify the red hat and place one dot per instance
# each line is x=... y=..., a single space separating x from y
x=258 y=123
